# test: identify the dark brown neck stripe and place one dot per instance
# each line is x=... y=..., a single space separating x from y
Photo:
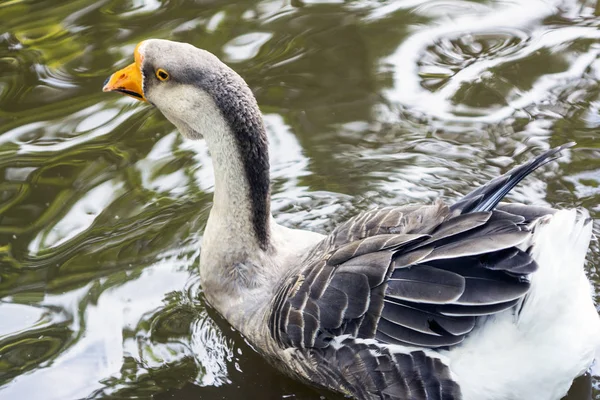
x=238 y=106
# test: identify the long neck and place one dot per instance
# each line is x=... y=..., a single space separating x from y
x=239 y=149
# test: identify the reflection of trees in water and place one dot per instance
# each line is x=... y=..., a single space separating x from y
x=35 y=348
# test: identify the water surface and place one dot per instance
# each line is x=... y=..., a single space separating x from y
x=103 y=204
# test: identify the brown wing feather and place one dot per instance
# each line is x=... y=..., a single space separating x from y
x=415 y=276
x=374 y=372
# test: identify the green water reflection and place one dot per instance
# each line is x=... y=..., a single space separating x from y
x=102 y=203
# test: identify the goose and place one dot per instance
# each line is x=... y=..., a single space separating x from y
x=474 y=300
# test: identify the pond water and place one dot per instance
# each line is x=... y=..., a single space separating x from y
x=103 y=204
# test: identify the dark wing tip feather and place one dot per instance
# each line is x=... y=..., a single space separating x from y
x=487 y=197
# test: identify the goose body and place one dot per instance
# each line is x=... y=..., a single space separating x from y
x=473 y=300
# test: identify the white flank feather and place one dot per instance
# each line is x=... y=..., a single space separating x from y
x=537 y=353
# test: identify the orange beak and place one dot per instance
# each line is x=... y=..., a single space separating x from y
x=129 y=80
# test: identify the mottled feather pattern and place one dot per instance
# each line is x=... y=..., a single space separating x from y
x=471 y=259
x=375 y=372
x=415 y=287
x=415 y=276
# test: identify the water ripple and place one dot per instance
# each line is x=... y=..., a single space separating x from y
x=434 y=67
x=366 y=103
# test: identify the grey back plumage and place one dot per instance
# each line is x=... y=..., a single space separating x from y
x=421 y=287
x=417 y=276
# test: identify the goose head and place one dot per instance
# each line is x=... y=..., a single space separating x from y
x=204 y=98
x=190 y=86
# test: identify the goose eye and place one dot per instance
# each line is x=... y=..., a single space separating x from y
x=162 y=75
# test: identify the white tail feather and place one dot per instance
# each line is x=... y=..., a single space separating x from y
x=560 y=243
x=556 y=334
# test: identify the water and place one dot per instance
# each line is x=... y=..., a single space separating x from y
x=103 y=204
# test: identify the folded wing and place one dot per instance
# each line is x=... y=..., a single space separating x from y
x=418 y=275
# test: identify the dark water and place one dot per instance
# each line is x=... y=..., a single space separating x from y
x=103 y=204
